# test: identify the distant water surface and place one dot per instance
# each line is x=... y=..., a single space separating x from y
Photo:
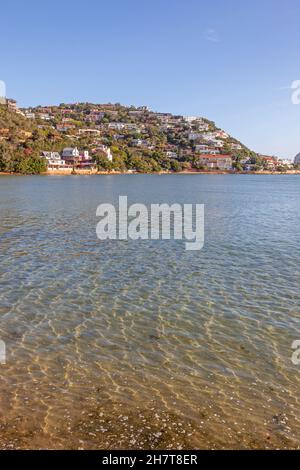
x=130 y=344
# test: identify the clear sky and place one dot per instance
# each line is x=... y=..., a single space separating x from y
x=232 y=61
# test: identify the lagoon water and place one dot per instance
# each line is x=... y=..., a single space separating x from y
x=141 y=344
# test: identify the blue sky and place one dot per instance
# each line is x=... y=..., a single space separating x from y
x=232 y=61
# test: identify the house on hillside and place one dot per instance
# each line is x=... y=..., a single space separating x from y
x=104 y=149
x=171 y=154
x=116 y=126
x=206 y=150
x=270 y=163
x=235 y=146
x=29 y=115
x=89 y=131
x=94 y=117
x=74 y=157
x=54 y=160
x=190 y=119
x=44 y=116
x=194 y=135
x=70 y=152
x=65 y=127
x=221 y=134
x=137 y=142
x=12 y=106
x=221 y=162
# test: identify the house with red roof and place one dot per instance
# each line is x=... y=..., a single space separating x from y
x=217 y=161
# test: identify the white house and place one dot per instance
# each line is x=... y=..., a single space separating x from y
x=44 y=116
x=206 y=150
x=190 y=118
x=236 y=146
x=171 y=154
x=136 y=112
x=209 y=136
x=217 y=143
x=285 y=162
x=131 y=127
x=116 y=125
x=29 y=115
x=54 y=159
x=137 y=142
x=106 y=150
x=221 y=134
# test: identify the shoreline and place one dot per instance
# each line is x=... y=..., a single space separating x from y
x=117 y=173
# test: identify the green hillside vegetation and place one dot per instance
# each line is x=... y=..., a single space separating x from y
x=22 y=140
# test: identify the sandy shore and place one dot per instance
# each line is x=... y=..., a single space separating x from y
x=69 y=172
x=190 y=172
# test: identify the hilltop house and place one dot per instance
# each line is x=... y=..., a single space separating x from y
x=136 y=113
x=190 y=119
x=203 y=127
x=12 y=106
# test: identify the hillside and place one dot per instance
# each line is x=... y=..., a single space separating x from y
x=139 y=139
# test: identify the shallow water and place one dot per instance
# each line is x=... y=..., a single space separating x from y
x=141 y=344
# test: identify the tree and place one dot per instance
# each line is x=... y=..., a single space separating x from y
x=282 y=169
x=175 y=166
x=30 y=165
x=140 y=164
x=118 y=163
x=6 y=157
x=237 y=166
x=102 y=162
